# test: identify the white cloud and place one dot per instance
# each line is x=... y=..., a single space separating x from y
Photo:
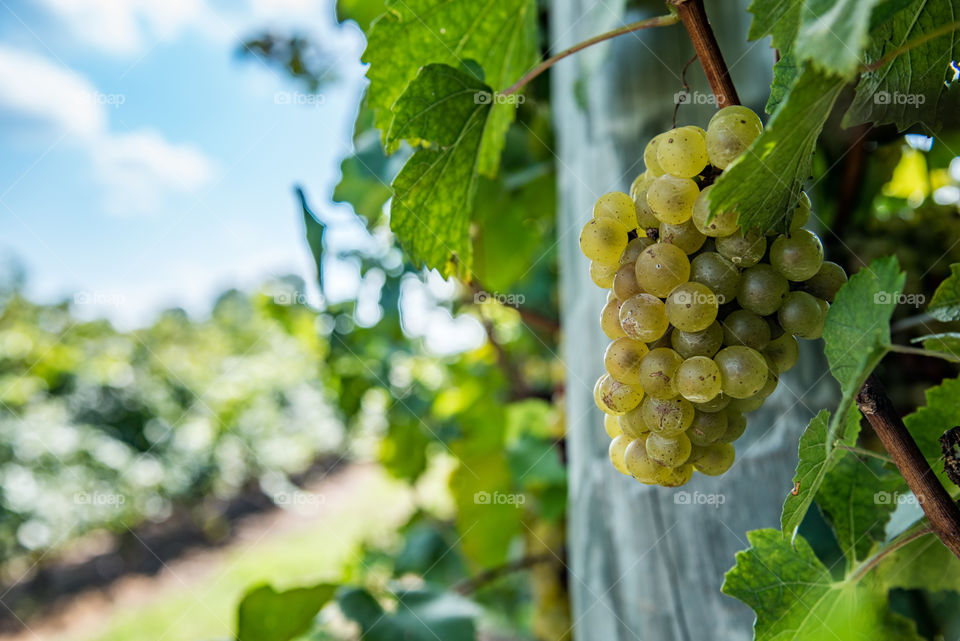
x=39 y=93
x=137 y=169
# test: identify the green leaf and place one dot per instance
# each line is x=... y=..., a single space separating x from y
x=403 y=449
x=777 y=18
x=945 y=304
x=857 y=497
x=785 y=72
x=420 y=615
x=365 y=176
x=928 y=423
x=922 y=564
x=434 y=192
x=946 y=343
x=815 y=451
x=428 y=552
x=267 y=615
x=916 y=86
x=779 y=158
x=796 y=599
x=363 y=12
x=314 y=232
x=833 y=34
x=501 y=36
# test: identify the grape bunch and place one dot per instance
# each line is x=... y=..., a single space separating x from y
x=704 y=316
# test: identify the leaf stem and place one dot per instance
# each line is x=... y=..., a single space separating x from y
x=864 y=452
x=918 y=351
x=899 y=51
x=871 y=562
x=472 y=584
x=659 y=21
x=694 y=18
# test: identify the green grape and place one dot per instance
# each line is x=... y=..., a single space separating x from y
x=666 y=417
x=801 y=213
x=617 y=449
x=698 y=379
x=663 y=341
x=691 y=307
x=762 y=289
x=717 y=403
x=619 y=206
x=728 y=136
x=640 y=183
x=682 y=152
x=650 y=156
x=697 y=452
x=669 y=452
x=602 y=275
x=717 y=273
x=742 y=370
x=707 y=427
x=622 y=359
x=827 y=281
x=782 y=352
x=747 y=405
x=603 y=240
x=632 y=423
x=661 y=267
x=625 y=282
x=611 y=424
x=643 y=317
x=658 y=371
x=797 y=256
x=706 y=342
x=674 y=476
x=743 y=327
x=817 y=332
x=614 y=397
x=722 y=224
x=743 y=250
x=639 y=464
x=744 y=113
x=645 y=216
x=610 y=320
x=634 y=247
x=800 y=314
x=685 y=236
x=671 y=198
x=736 y=426
x=717 y=460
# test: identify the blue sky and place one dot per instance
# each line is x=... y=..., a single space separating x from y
x=144 y=165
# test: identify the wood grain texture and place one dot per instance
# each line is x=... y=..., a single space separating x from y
x=643 y=564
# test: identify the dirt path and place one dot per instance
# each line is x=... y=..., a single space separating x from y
x=83 y=615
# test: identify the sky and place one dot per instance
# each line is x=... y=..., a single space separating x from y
x=145 y=165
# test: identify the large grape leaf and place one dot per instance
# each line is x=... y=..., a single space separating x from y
x=434 y=192
x=779 y=159
x=922 y=564
x=500 y=35
x=928 y=423
x=366 y=175
x=945 y=304
x=815 y=450
x=917 y=86
x=857 y=497
x=420 y=615
x=833 y=34
x=796 y=599
x=267 y=615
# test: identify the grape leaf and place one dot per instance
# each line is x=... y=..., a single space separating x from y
x=833 y=34
x=363 y=12
x=434 y=192
x=928 y=423
x=501 y=36
x=267 y=615
x=815 y=450
x=795 y=598
x=922 y=564
x=365 y=176
x=945 y=304
x=784 y=73
x=917 y=86
x=314 y=232
x=947 y=343
x=420 y=615
x=779 y=158
x=777 y=18
x=857 y=497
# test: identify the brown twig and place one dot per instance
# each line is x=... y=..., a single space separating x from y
x=474 y=583
x=686 y=88
x=659 y=21
x=694 y=18
x=936 y=502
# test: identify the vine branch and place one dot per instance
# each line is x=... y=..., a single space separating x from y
x=936 y=502
x=474 y=583
x=659 y=21
x=694 y=18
